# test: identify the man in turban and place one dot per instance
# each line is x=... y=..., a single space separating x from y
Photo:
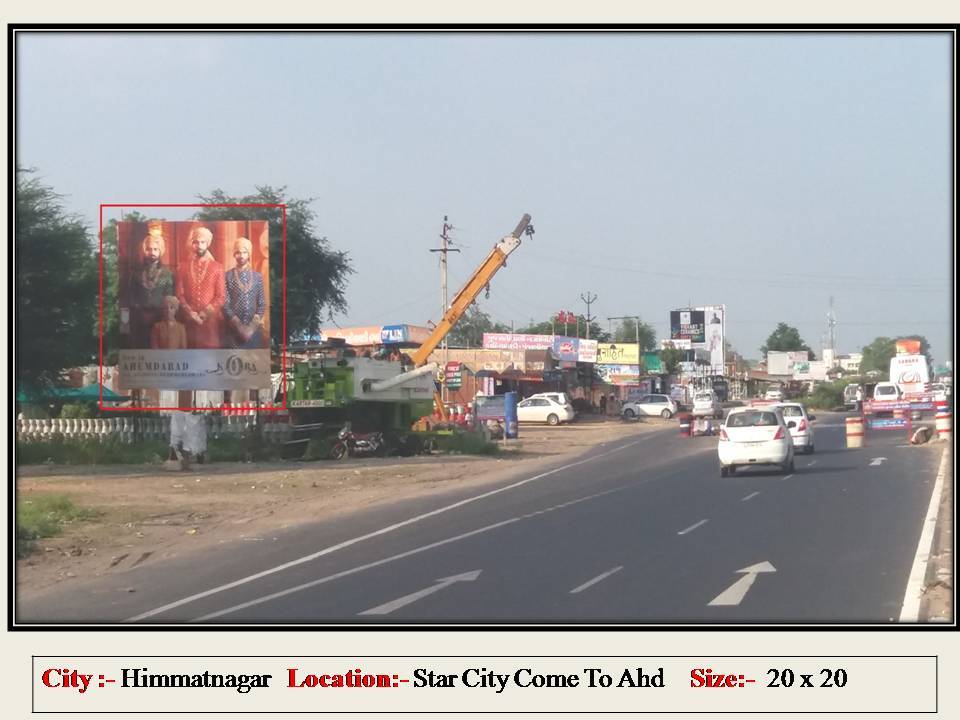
x=200 y=289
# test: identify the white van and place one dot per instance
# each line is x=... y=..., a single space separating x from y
x=886 y=391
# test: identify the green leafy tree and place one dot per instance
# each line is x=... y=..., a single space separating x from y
x=577 y=328
x=671 y=357
x=469 y=330
x=626 y=332
x=784 y=339
x=316 y=273
x=57 y=281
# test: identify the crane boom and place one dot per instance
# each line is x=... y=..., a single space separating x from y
x=468 y=293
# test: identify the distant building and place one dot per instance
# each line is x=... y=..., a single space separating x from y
x=850 y=363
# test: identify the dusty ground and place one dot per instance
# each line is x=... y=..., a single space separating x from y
x=149 y=513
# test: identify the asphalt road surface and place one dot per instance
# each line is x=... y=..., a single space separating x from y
x=640 y=530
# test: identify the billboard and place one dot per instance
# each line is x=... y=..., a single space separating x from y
x=619 y=374
x=714 y=324
x=782 y=362
x=810 y=370
x=587 y=351
x=618 y=353
x=687 y=325
x=194 y=305
x=907 y=346
x=909 y=372
x=511 y=341
x=565 y=349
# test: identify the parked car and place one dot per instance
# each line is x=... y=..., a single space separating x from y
x=558 y=397
x=544 y=410
x=886 y=391
x=650 y=406
x=800 y=424
x=774 y=394
x=707 y=404
x=754 y=436
x=852 y=396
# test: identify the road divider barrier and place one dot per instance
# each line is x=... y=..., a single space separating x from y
x=855 y=436
x=944 y=424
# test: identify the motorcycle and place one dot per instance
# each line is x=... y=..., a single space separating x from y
x=357 y=444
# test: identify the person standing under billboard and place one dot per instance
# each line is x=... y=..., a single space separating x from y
x=149 y=286
x=245 y=305
x=201 y=291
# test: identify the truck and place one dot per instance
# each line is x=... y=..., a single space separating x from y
x=334 y=386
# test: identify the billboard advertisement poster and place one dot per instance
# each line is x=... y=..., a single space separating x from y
x=512 y=341
x=194 y=305
x=713 y=336
x=618 y=353
x=687 y=325
x=587 y=351
x=565 y=348
x=619 y=374
x=909 y=372
x=907 y=346
x=367 y=335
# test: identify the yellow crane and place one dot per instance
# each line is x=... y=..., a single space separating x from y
x=479 y=280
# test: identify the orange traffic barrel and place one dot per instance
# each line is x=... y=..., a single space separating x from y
x=944 y=422
x=855 y=437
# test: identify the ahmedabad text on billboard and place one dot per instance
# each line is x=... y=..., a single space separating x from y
x=194 y=304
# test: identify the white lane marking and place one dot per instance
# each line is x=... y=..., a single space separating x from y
x=693 y=527
x=751 y=495
x=598 y=578
x=734 y=594
x=877 y=461
x=787 y=477
x=910 y=612
x=400 y=556
x=812 y=462
x=440 y=584
x=375 y=533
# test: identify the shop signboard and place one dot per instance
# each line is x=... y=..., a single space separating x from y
x=619 y=374
x=653 y=364
x=453 y=375
x=565 y=348
x=512 y=341
x=489 y=407
x=618 y=354
x=587 y=351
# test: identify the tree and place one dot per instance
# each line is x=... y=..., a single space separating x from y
x=784 y=339
x=316 y=274
x=577 y=328
x=876 y=355
x=469 y=330
x=57 y=282
x=626 y=332
x=671 y=357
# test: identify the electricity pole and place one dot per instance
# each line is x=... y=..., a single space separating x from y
x=589 y=301
x=443 y=250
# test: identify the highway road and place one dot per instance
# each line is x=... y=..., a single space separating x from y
x=640 y=530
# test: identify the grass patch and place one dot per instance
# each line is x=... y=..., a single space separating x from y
x=42 y=516
x=466 y=443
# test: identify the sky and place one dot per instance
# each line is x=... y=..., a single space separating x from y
x=766 y=172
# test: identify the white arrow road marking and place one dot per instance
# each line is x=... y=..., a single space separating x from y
x=751 y=495
x=812 y=462
x=598 y=578
x=787 y=477
x=442 y=583
x=877 y=461
x=692 y=527
x=734 y=594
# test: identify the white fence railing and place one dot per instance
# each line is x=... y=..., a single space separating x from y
x=149 y=428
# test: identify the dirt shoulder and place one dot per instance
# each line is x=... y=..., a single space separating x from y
x=147 y=513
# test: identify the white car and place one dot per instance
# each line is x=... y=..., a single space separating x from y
x=774 y=394
x=886 y=391
x=754 y=436
x=707 y=404
x=800 y=424
x=558 y=397
x=543 y=410
x=650 y=406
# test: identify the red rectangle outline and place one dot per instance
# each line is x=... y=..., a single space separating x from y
x=283 y=303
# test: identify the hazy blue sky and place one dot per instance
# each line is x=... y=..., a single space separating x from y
x=766 y=172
